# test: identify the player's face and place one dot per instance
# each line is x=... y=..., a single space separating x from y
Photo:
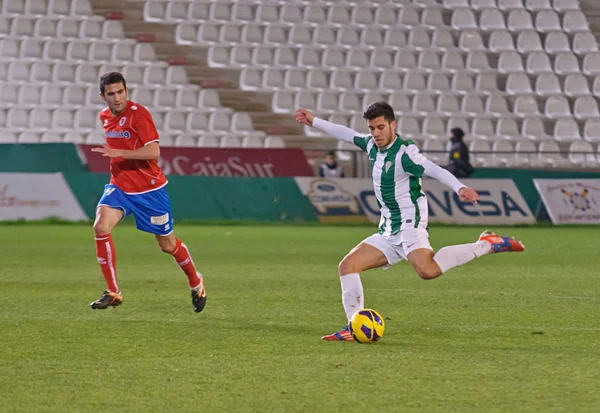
x=115 y=95
x=383 y=131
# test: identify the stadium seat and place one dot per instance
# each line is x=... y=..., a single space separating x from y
x=565 y=5
x=556 y=42
x=252 y=142
x=497 y=105
x=208 y=141
x=557 y=107
x=510 y=62
x=538 y=62
x=29 y=137
x=591 y=64
x=492 y=19
x=468 y=40
x=435 y=151
x=483 y=4
x=533 y=129
x=481 y=154
x=507 y=5
x=508 y=129
x=526 y=153
x=591 y=131
x=504 y=153
x=536 y=5
x=576 y=85
x=74 y=137
x=575 y=21
x=501 y=41
x=518 y=83
x=519 y=20
x=547 y=21
x=528 y=42
x=463 y=83
x=526 y=106
x=566 y=63
x=566 y=130
x=584 y=43
x=483 y=128
x=463 y=19
x=582 y=154
x=274 y=142
x=8 y=137
x=586 y=107
x=185 y=141
x=547 y=84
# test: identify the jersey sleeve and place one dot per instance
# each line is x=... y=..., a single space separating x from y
x=144 y=126
x=361 y=141
x=415 y=164
x=412 y=161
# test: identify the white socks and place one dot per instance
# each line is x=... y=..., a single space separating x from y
x=456 y=255
x=352 y=294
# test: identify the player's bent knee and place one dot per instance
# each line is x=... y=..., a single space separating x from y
x=428 y=273
x=167 y=244
x=101 y=228
x=346 y=267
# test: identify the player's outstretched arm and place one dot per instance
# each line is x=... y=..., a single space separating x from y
x=148 y=152
x=306 y=117
x=416 y=164
x=466 y=194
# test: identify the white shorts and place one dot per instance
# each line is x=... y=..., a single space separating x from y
x=398 y=248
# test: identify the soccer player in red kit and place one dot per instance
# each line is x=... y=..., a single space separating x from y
x=137 y=186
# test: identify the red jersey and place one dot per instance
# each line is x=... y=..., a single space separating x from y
x=131 y=130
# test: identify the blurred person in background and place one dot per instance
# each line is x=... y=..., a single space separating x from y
x=459 y=164
x=330 y=168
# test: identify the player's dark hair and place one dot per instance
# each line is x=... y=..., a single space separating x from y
x=110 y=79
x=330 y=153
x=378 y=109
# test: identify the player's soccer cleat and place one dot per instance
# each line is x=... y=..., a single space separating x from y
x=342 y=335
x=501 y=244
x=199 y=296
x=108 y=299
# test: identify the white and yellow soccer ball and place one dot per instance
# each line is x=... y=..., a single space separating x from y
x=367 y=326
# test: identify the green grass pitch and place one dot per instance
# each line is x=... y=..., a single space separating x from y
x=506 y=333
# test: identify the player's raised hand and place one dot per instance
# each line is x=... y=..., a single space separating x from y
x=304 y=116
x=108 y=152
x=468 y=195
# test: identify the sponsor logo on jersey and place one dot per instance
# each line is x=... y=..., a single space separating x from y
x=117 y=134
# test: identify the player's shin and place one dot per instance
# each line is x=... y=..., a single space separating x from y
x=182 y=256
x=456 y=255
x=352 y=294
x=107 y=258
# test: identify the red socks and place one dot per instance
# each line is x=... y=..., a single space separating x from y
x=184 y=260
x=107 y=258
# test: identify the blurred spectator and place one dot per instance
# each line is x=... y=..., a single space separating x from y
x=330 y=168
x=459 y=164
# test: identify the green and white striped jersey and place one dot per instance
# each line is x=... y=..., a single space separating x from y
x=397 y=173
x=397 y=179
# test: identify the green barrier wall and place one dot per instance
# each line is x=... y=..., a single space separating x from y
x=36 y=157
x=523 y=179
x=214 y=198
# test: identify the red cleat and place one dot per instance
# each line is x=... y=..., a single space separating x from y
x=342 y=335
x=501 y=244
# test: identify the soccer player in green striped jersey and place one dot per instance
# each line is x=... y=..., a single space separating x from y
x=398 y=168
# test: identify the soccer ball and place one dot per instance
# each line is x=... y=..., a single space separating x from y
x=367 y=326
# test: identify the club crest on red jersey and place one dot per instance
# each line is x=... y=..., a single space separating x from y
x=122 y=121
